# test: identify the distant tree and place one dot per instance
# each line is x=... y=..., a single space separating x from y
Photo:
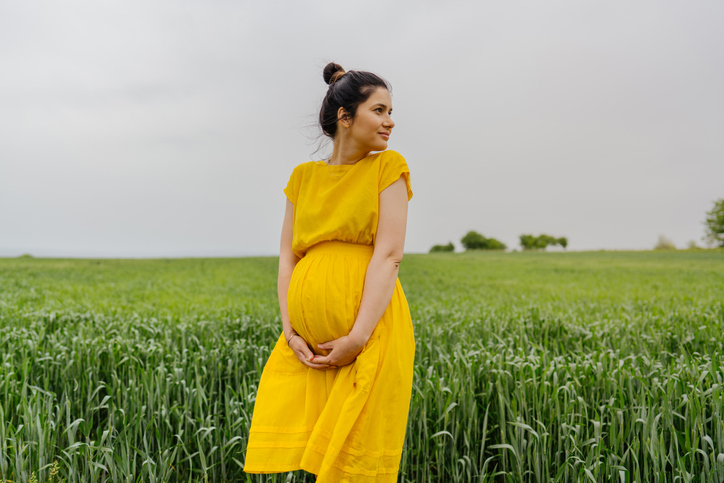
x=544 y=240
x=443 y=248
x=664 y=244
x=540 y=242
x=527 y=242
x=715 y=224
x=475 y=241
x=692 y=245
x=494 y=244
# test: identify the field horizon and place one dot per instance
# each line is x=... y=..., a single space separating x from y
x=553 y=250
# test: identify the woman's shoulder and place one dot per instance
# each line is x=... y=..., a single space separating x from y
x=302 y=167
x=307 y=164
x=389 y=154
x=388 y=157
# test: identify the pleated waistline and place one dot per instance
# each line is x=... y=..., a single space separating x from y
x=341 y=247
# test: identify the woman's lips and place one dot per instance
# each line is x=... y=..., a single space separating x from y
x=384 y=135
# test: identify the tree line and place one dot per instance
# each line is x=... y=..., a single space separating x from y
x=713 y=223
x=476 y=241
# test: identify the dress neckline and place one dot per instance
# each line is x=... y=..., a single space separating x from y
x=323 y=163
x=340 y=165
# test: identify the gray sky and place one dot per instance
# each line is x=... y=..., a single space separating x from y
x=160 y=128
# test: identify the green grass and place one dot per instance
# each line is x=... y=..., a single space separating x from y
x=598 y=366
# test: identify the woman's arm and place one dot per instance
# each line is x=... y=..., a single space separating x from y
x=380 y=279
x=287 y=261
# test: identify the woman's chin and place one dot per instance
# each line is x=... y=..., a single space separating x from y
x=379 y=146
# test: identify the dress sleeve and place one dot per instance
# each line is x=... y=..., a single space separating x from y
x=392 y=166
x=292 y=189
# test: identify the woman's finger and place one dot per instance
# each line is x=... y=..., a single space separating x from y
x=323 y=359
x=327 y=345
x=306 y=352
x=315 y=366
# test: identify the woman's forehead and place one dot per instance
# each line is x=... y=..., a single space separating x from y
x=380 y=96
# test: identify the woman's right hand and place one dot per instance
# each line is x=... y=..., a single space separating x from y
x=301 y=349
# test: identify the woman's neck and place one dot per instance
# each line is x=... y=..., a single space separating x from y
x=344 y=153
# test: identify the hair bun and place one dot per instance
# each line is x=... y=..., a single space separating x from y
x=332 y=72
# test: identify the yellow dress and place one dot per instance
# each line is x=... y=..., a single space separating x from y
x=346 y=424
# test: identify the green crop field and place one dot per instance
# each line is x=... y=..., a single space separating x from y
x=530 y=367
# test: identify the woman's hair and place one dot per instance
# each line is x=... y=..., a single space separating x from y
x=347 y=90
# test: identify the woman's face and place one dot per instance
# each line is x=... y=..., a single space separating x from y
x=372 y=124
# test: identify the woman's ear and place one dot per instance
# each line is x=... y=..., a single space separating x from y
x=343 y=117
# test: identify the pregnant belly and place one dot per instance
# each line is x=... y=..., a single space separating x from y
x=325 y=292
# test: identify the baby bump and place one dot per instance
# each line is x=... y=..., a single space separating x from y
x=325 y=291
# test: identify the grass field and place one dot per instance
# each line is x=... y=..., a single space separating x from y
x=598 y=366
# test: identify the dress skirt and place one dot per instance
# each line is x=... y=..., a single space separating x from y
x=344 y=424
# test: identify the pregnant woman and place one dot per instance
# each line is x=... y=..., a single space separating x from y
x=335 y=393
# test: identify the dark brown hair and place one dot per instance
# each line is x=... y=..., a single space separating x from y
x=347 y=90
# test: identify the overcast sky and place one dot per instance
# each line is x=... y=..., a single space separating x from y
x=169 y=128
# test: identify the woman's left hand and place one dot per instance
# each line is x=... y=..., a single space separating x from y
x=343 y=351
